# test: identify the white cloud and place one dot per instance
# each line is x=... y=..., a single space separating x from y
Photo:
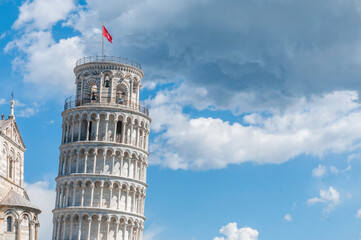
x=41 y=14
x=287 y=218
x=319 y=171
x=358 y=213
x=315 y=126
x=27 y=112
x=333 y=170
x=322 y=170
x=2 y=101
x=43 y=196
x=268 y=68
x=330 y=197
x=41 y=65
x=233 y=233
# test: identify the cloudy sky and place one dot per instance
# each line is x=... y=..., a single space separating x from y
x=256 y=130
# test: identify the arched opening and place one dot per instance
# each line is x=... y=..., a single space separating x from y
x=9 y=222
x=93 y=93
x=119 y=130
x=84 y=124
x=11 y=163
x=90 y=130
x=107 y=81
x=121 y=96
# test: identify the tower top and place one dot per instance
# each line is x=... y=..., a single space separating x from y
x=12 y=102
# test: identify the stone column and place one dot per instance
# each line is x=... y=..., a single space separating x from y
x=110 y=195
x=63 y=132
x=60 y=202
x=31 y=224
x=113 y=162
x=126 y=201
x=129 y=163
x=101 y=195
x=60 y=163
x=37 y=231
x=137 y=95
x=143 y=143
x=70 y=164
x=55 y=226
x=67 y=196
x=64 y=228
x=141 y=171
x=106 y=129
x=85 y=161
x=97 y=130
x=131 y=232
x=144 y=171
x=71 y=228
x=100 y=89
x=57 y=195
x=137 y=137
x=87 y=130
x=130 y=140
x=123 y=132
x=72 y=130
x=107 y=233
x=79 y=128
x=116 y=230
x=119 y=194
x=104 y=160
x=79 y=228
x=92 y=194
x=74 y=193
x=95 y=161
x=58 y=230
x=77 y=163
x=99 y=224
x=131 y=93
x=133 y=203
x=66 y=132
x=121 y=165
x=82 y=194
x=135 y=168
x=115 y=130
x=66 y=165
x=89 y=227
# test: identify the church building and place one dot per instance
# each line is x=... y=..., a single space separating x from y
x=18 y=216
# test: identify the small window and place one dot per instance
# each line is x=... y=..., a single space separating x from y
x=9 y=224
x=11 y=169
x=106 y=81
x=119 y=127
x=93 y=93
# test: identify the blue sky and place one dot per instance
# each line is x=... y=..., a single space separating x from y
x=255 y=106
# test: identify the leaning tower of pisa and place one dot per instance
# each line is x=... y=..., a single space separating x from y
x=101 y=182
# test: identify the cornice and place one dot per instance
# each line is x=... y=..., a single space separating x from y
x=104 y=107
x=100 y=178
x=110 y=66
x=97 y=210
x=101 y=144
x=12 y=141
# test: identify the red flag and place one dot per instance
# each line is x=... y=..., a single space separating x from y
x=107 y=35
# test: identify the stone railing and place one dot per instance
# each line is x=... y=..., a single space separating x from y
x=112 y=59
x=72 y=102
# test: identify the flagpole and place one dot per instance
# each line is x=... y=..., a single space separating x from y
x=102 y=42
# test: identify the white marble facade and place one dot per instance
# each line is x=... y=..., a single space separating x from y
x=18 y=217
x=101 y=184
